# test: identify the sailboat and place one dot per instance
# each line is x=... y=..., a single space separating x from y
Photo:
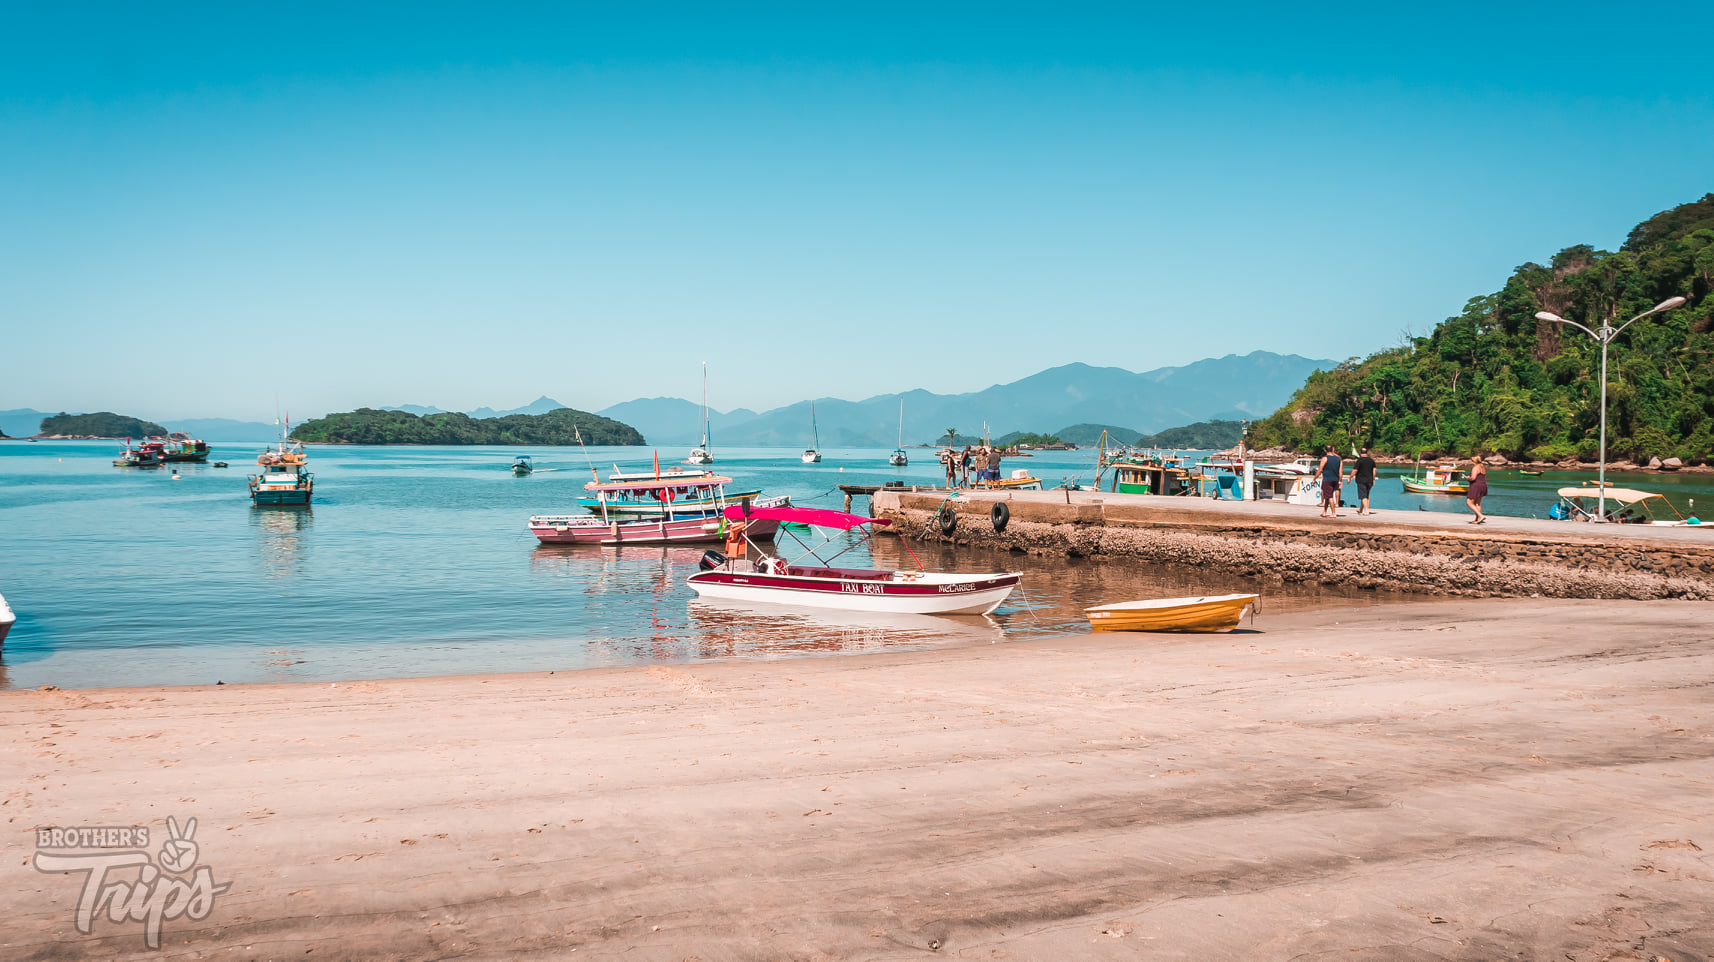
x=700 y=454
x=898 y=459
x=813 y=454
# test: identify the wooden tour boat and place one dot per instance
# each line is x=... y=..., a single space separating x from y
x=683 y=510
x=773 y=580
x=1210 y=613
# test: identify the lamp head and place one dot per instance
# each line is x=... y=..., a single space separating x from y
x=1549 y=316
x=1667 y=304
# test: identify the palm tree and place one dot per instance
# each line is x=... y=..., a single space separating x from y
x=951 y=437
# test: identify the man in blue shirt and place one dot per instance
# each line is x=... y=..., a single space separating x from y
x=1329 y=470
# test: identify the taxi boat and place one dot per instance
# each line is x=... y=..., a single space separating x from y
x=773 y=580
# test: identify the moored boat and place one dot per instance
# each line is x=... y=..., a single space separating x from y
x=522 y=465
x=1444 y=479
x=7 y=619
x=664 y=495
x=1207 y=613
x=898 y=458
x=182 y=447
x=149 y=453
x=773 y=580
x=1624 y=506
x=681 y=510
x=702 y=453
x=812 y=454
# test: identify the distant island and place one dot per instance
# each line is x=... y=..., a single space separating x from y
x=372 y=426
x=101 y=424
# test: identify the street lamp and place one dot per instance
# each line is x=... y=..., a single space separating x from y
x=1605 y=334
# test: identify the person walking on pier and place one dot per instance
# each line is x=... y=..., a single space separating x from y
x=1329 y=469
x=964 y=468
x=951 y=467
x=1363 y=472
x=1478 y=490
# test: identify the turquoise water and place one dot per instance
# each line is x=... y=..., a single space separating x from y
x=417 y=561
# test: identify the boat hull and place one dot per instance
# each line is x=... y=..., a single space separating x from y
x=966 y=596
x=695 y=506
x=581 y=529
x=288 y=497
x=1420 y=487
x=1205 y=614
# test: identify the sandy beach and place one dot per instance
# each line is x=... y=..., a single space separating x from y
x=1447 y=780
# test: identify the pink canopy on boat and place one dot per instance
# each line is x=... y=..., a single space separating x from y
x=815 y=517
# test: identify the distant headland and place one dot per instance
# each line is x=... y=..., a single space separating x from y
x=558 y=427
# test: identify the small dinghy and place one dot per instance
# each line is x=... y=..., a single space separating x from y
x=1208 y=613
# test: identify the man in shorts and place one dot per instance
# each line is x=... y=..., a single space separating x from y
x=1329 y=471
x=1363 y=472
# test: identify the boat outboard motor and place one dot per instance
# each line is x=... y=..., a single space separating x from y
x=711 y=559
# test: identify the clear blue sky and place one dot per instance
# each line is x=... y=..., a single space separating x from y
x=222 y=210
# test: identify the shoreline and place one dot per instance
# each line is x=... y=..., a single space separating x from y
x=1482 y=775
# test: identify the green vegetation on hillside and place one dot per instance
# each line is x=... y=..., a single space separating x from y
x=1020 y=438
x=369 y=426
x=1496 y=379
x=101 y=424
x=1201 y=436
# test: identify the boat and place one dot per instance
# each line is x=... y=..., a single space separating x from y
x=221 y=464
x=672 y=472
x=1208 y=613
x=182 y=447
x=812 y=454
x=898 y=458
x=1624 y=506
x=661 y=495
x=1168 y=475
x=701 y=454
x=773 y=580
x=696 y=528
x=1021 y=480
x=1529 y=473
x=521 y=465
x=7 y=619
x=147 y=454
x=284 y=478
x=1444 y=479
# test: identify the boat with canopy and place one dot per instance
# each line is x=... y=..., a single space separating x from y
x=814 y=582
x=1624 y=506
x=685 y=510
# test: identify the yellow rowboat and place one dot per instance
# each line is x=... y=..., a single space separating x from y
x=1212 y=613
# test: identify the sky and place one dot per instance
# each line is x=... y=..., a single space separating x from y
x=234 y=209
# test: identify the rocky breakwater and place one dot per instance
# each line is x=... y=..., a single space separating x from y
x=1422 y=552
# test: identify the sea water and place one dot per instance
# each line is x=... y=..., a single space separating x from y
x=418 y=561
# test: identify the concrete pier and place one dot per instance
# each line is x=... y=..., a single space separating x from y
x=1429 y=552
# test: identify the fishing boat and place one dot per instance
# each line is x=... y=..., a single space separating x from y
x=1209 y=613
x=773 y=580
x=285 y=478
x=147 y=454
x=522 y=465
x=182 y=447
x=1624 y=506
x=702 y=454
x=812 y=454
x=1444 y=479
x=7 y=619
x=898 y=458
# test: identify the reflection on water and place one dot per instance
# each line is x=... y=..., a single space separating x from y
x=283 y=545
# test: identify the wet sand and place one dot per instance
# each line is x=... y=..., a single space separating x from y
x=1445 y=780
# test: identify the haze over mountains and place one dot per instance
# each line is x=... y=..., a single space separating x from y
x=1234 y=387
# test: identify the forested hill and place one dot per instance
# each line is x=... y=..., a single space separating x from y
x=102 y=424
x=369 y=426
x=1495 y=379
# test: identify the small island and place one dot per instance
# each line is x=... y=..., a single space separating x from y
x=371 y=426
x=100 y=425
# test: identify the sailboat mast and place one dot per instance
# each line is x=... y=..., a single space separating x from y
x=705 y=406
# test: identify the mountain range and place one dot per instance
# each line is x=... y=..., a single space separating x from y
x=1234 y=387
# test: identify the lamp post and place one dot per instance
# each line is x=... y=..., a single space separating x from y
x=1605 y=334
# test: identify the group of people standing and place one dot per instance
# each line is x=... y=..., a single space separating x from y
x=1363 y=473
x=973 y=464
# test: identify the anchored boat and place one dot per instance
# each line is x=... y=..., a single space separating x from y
x=1445 y=479
x=812 y=454
x=898 y=458
x=1624 y=506
x=1209 y=613
x=773 y=580
x=702 y=453
x=7 y=619
x=285 y=478
x=522 y=465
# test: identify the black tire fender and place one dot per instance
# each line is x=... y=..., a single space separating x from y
x=948 y=520
x=1000 y=516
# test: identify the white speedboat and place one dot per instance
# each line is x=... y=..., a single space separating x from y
x=773 y=580
x=7 y=618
